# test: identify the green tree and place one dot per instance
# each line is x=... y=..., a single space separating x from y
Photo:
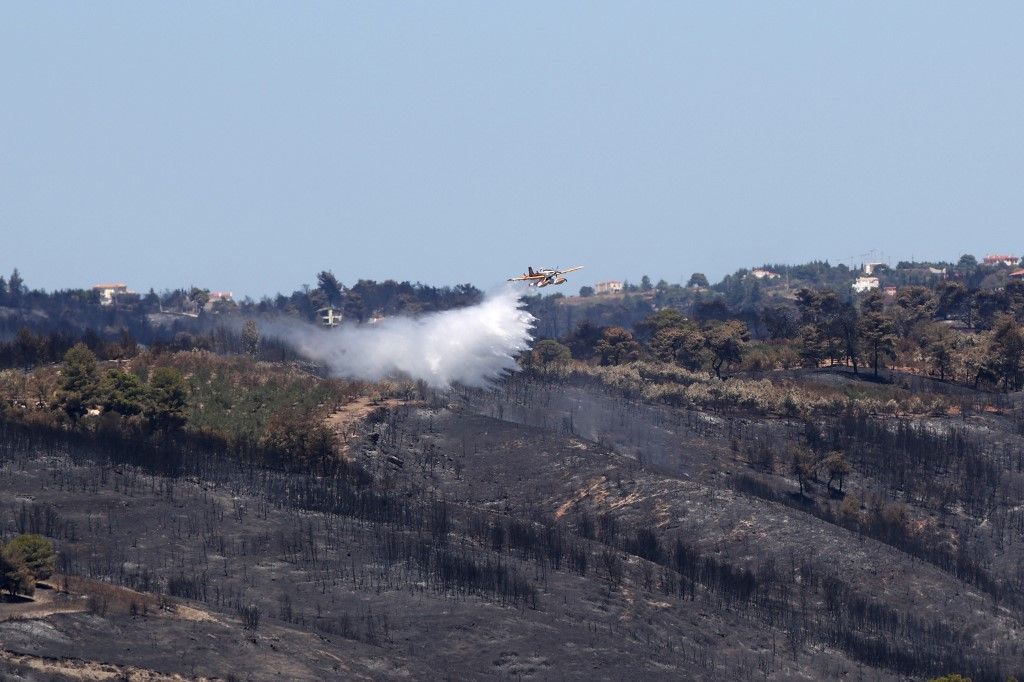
x=353 y=307
x=914 y=305
x=29 y=348
x=835 y=321
x=663 y=319
x=941 y=349
x=586 y=292
x=812 y=346
x=251 y=338
x=127 y=346
x=1006 y=352
x=78 y=382
x=329 y=285
x=727 y=341
x=549 y=352
x=967 y=263
x=877 y=331
x=584 y=339
x=698 y=279
x=847 y=328
x=15 y=287
x=200 y=297
x=122 y=392
x=973 y=362
x=781 y=322
x=1013 y=293
x=953 y=302
x=15 y=575
x=617 y=346
x=682 y=345
x=986 y=306
x=37 y=553
x=166 y=399
x=645 y=283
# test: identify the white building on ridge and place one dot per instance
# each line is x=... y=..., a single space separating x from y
x=862 y=284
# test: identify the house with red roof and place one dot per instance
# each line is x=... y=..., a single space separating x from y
x=997 y=259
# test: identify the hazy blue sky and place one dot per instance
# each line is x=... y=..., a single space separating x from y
x=246 y=146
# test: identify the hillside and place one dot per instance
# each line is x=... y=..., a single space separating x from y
x=548 y=529
x=752 y=480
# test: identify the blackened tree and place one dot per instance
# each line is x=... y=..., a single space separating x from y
x=837 y=469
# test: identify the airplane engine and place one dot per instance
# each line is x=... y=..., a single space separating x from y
x=560 y=280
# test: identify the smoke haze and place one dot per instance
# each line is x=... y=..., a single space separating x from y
x=472 y=345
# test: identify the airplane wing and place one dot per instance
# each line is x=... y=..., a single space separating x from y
x=573 y=269
x=525 y=278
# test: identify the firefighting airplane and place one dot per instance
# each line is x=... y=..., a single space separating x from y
x=542 y=277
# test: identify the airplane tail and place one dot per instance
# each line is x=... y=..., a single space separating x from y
x=530 y=270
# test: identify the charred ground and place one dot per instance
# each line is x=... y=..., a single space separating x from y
x=553 y=528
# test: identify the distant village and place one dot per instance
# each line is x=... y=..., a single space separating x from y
x=869 y=276
x=118 y=293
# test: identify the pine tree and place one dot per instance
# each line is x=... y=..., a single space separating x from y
x=166 y=399
x=79 y=384
x=250 y=338
x=877 y=331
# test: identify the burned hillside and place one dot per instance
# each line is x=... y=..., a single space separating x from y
x=549 y=530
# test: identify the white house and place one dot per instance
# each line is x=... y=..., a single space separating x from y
x=863 y=284
x=762 y=273
x=219 y=297
x=110 y=292
x=610 y=287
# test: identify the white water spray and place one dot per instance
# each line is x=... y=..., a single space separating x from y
x=472 y=345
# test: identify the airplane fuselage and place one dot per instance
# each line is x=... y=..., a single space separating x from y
x=544 y=277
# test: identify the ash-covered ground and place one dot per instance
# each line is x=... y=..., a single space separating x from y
x=538 y=531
